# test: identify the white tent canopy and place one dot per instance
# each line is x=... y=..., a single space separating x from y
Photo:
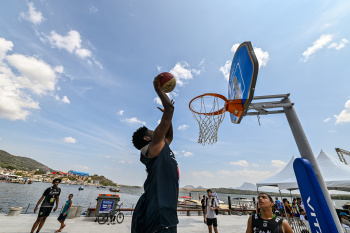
x=335 y=173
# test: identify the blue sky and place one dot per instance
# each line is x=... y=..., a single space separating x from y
x=76 y=81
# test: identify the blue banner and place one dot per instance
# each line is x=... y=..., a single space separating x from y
x=316 y=208
x=106 y=206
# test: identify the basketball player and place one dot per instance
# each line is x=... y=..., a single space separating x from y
x=266 y=221
x=156 y=210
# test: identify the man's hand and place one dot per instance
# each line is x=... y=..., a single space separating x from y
x=205 y=219
x=55 y=209
x=162 y=110
x=64 y=214
x=212 y=208
x=156 y=82
x=35 y=209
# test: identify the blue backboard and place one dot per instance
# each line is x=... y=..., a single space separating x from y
x=243 y=75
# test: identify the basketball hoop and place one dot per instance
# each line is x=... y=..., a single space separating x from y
x=209 y=111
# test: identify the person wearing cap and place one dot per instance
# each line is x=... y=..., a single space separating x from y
x=48 y=199
x=344 y=219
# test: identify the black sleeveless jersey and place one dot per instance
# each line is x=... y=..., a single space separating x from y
x=261 y=225
x=157 y=207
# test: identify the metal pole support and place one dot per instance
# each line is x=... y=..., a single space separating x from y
x=306 y=152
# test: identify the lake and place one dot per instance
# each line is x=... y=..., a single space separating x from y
x=12 y=194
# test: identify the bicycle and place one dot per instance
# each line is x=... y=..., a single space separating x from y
x=113 y=215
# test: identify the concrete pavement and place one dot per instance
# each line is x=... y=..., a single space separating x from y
x=24 y=222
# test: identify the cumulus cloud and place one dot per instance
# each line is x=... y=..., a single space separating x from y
x=72 y=42
x=121 y=112
x=65 y=100
x=317 y=45
x=344 y=115
x=326 y=120
x=32 y=15
x=183 y=127
x=203 y=174
x=261 y=55
x=22 y=76
x=134 y=120
x=241 y=163
x=70 y=140
x=339 y=45
x=278 y=163
x=171 y=95
x=182 y=73
x=186 y=153
x=93 y=9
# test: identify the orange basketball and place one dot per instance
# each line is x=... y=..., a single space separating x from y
x=167 y=82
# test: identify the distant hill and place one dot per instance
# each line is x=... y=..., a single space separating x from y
x=247 y=186
x=20 y=163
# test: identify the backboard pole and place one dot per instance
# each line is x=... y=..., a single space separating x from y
x=306 y=152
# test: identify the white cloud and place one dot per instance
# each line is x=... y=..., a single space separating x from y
x=225 y=70
x=261 y=55
x=0 y=138
x=171 y=95
x=20 y=77
x=182 y=73
x=33 y=16
x=254 y=165
x=107 y=156
x=159 y=68
x=93 y=9
x=326 y=120
x=317 y=45
x=344 y=115
x=186 y=153
x=339 y=45
x=134 y=120
x=72 y=42
x=332 y=131
x=121 y=112
x=183 y=127
x=82 y=167
x=242 y=163
x=278 y=163
x=65 y=100
x=203 y=174
x=83 y=53
x=158 y=121
x=122 y=161
x=69 y=140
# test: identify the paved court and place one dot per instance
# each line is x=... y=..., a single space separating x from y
x=24 y=222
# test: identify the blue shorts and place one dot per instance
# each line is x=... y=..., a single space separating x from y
x=61 y=217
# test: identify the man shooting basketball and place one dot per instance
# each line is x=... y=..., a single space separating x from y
x=156 y=210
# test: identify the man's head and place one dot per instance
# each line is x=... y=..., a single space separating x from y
x=265 y=200
x=70 y=196
x=56 y=181
x=344 y=215
x=209 y=192
x=142 y=137
x=276 y=198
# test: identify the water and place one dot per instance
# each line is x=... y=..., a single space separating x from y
x=12 y=194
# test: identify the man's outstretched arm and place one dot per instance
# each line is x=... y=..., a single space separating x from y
x=169 y=133
x=159 y=133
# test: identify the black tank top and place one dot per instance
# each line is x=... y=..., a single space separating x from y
x=261 y=225
x=157 y=207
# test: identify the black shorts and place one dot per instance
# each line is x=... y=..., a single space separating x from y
x=44 y=211
x=168 y=230
x=61 y=217
x=212 y=221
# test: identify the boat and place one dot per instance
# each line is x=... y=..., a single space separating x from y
x=114 y=190
x=102 y=187
x=30 y=182
x=188 y=203
x=81 y=188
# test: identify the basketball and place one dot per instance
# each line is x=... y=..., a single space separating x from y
x=167 y=82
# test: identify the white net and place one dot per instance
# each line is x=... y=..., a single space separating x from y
x=203 y=108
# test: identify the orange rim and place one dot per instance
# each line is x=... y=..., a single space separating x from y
x=233 y=106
